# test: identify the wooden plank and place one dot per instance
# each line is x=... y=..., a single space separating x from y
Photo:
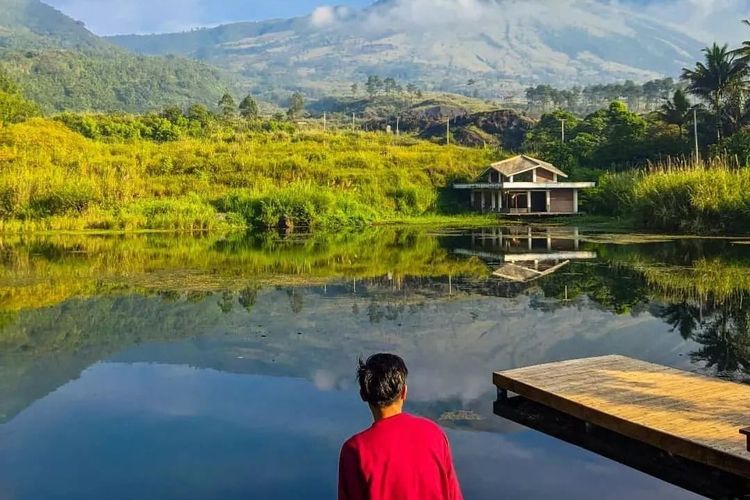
x=683 y=413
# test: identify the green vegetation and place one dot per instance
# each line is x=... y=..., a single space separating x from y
x=192 y=172
x=581 y=101
x=14 y=107
x=649 y=169
x=48 y=269
x=712 y=199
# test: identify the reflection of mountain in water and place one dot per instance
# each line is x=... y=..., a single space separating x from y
x=245 y=306
x=452 y=342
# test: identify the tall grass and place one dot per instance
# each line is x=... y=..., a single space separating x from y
x=54 y=178
x=708 y=198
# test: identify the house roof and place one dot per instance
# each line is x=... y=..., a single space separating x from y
x=522 y=274
x=522 y=163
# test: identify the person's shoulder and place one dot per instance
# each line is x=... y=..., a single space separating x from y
x=425 y=424
x=355 y=442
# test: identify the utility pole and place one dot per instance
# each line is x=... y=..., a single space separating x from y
x=563 y=130
x=448 y=132
x=398 y=118
x=324 y=122
x=353 y=124
x=695 y=133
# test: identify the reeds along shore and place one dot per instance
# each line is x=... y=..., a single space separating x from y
x=707 y=197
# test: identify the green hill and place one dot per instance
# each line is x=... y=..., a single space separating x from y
x=63 y=66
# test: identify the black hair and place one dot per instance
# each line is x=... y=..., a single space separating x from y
x=382 y=379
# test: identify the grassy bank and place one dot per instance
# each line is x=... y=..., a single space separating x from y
x=708 y=199
x=52 y=178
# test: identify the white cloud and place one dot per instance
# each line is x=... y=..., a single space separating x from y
x=323 y=16
x=327 y=15
x=706 y=20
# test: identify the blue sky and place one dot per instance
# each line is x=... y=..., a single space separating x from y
x=707 y=20
x=148 y=16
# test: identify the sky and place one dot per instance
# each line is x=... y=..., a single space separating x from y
x=707 y=20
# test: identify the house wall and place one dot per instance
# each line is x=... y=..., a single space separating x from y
x=544 y=175
x=562 y=200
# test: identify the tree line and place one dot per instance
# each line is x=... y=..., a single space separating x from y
x=376 y=85
x=584 y=100
x=710 y=105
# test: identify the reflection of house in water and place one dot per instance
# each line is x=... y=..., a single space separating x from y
x=525 y=254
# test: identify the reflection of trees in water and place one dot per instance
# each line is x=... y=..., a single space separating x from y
x=726 y=342
x=378 y=312
x=721 y=328
x=615 y=288
x=683 y=317
x=249 y=296
x=296 y=299
x=226 y=302
x=719 y=323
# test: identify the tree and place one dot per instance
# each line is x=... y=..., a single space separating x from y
x=228 y=106
x=719 y=80
x=13 y=106
x=200 y=114
x=676 y=111
x=355 y=89
x=249 y=108
x=390 y=85
x=373 y=86
x=296 y=105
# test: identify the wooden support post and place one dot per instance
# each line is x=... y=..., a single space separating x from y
x=502 y=394
x=746 y=432
x=481 y=195
x=528 y=200
x=473 y=199
x=494 y=205
x=575 y=201
x=549 y=201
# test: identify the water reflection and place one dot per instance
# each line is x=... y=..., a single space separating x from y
x=220 y=346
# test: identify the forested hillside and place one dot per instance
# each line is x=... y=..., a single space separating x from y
x=63 y=66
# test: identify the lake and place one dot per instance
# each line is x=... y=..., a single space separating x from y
x=160 y=367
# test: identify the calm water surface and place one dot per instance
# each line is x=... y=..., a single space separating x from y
x=158 y=367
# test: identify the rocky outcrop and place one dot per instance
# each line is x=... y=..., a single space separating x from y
x=504 y=128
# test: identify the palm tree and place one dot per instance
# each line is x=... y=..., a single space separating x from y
x=718 y=81
x=744 y=52
x=676 y=111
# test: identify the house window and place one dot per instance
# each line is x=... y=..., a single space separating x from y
x=524 y=177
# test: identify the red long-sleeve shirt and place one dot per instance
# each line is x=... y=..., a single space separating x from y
x=398 y=458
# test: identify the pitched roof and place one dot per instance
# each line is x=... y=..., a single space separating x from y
x=522 y=163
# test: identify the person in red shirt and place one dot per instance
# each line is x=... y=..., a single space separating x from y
x=401 y=457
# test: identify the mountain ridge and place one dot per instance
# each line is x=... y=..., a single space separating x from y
x=503 y=45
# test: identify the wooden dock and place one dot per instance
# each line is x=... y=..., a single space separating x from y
x=688 y=415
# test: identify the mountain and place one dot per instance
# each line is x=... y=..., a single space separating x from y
x=504 y=45
x=63 y=66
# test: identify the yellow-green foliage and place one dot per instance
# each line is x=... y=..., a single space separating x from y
x=702 y=199
x=43 y=270
x=54 y=178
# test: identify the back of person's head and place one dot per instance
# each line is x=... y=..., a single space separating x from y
x=382 y=379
